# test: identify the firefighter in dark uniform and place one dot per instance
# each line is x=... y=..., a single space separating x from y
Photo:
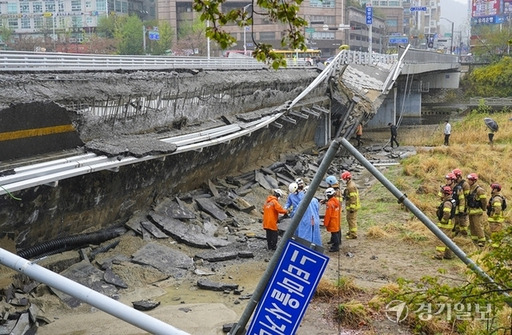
x=460 y=194
x=495 y=208
x=477 y=202
x=445 y=214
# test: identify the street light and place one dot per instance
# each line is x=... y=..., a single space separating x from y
x=245 y=28
x=451 y=39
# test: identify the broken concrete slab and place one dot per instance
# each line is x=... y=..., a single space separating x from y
x=260 y=178
x=169 y=261
x=153 y=230
x=206 y=284
x=187 y=233
x=145 y=305
x=111 y=278
x=89 y=276
x=175 y=209
x=210 y=207
x=138 y=146
x=218 y=255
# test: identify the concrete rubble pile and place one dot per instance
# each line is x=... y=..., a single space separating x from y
x=220 y=224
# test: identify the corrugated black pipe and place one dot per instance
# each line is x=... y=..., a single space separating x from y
x=71 y=242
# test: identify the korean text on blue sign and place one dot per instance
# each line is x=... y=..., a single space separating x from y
x=369 y=14
x=289 y=291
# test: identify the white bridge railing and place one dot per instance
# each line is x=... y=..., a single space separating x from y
x=18 y=61
x=37 y=61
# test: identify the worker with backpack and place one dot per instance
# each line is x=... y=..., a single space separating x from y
x=445 y=214
x=495 y=210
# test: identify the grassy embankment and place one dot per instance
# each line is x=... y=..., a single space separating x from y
x=381 y=218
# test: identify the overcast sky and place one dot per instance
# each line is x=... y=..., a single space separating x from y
x=456 y=11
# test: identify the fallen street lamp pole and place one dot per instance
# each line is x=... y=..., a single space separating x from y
x=239 y=328
x=402 y=198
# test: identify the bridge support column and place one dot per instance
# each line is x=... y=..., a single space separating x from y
x=397 y=105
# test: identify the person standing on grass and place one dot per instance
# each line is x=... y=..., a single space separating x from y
x=309 y=226
x=445 y=215
x=460 y=194
x=447 y=132
x=352 y=204
x=497 y=204
x=332 y=219
x=394 y=134
x=271 y=211
x=477 y=202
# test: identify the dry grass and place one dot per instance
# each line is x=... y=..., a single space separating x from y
x=376 y=232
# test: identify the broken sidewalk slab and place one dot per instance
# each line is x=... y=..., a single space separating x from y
x=86 y=274
x=137 y=146
x=206 y=284
x=210 y=207
x=111 y=278
x=187 y=233
x=153 y=230
x=175 y=209
x=167 y=260
x=266 y=181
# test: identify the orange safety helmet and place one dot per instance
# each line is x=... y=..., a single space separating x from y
x=473 y=176
x=451 y=176
x=496 y=186
x=457 y=172
x=447 y=190
x=346 y=175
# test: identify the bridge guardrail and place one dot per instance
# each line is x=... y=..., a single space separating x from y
x=36 y=61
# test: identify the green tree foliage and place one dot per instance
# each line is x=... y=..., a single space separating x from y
x=282 y=12
x=106 y=26
x=492 y=43
x=165 y=42
x=5 y=35
x=129 y=33
x=494 y=80
x=192 y=36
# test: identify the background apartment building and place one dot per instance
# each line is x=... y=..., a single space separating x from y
x=331 y=23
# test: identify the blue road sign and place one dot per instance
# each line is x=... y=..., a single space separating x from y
x=398 y=40
x=369 y=14
x=289 y=291
x=419 y=9
x=154 y=35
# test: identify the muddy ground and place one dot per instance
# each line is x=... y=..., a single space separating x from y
x=371 y=261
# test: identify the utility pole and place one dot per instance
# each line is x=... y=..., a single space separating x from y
x=144 y=38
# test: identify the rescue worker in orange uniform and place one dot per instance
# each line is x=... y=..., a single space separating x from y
x=352 y=204
x=477 y=202
x=460 y=194
x=271 y=211
x=332 y=219
x=495 y=208
x=445 y=214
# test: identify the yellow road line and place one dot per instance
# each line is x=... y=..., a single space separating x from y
x=19 y=134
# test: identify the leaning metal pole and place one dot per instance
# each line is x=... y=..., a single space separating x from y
x=87 y=295
x=402 y=198
x=301 y=209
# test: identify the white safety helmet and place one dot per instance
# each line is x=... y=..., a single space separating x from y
x=306 y=188
x=330 y=191
x=278 y=193
x=293 y=187
x=299 y=182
